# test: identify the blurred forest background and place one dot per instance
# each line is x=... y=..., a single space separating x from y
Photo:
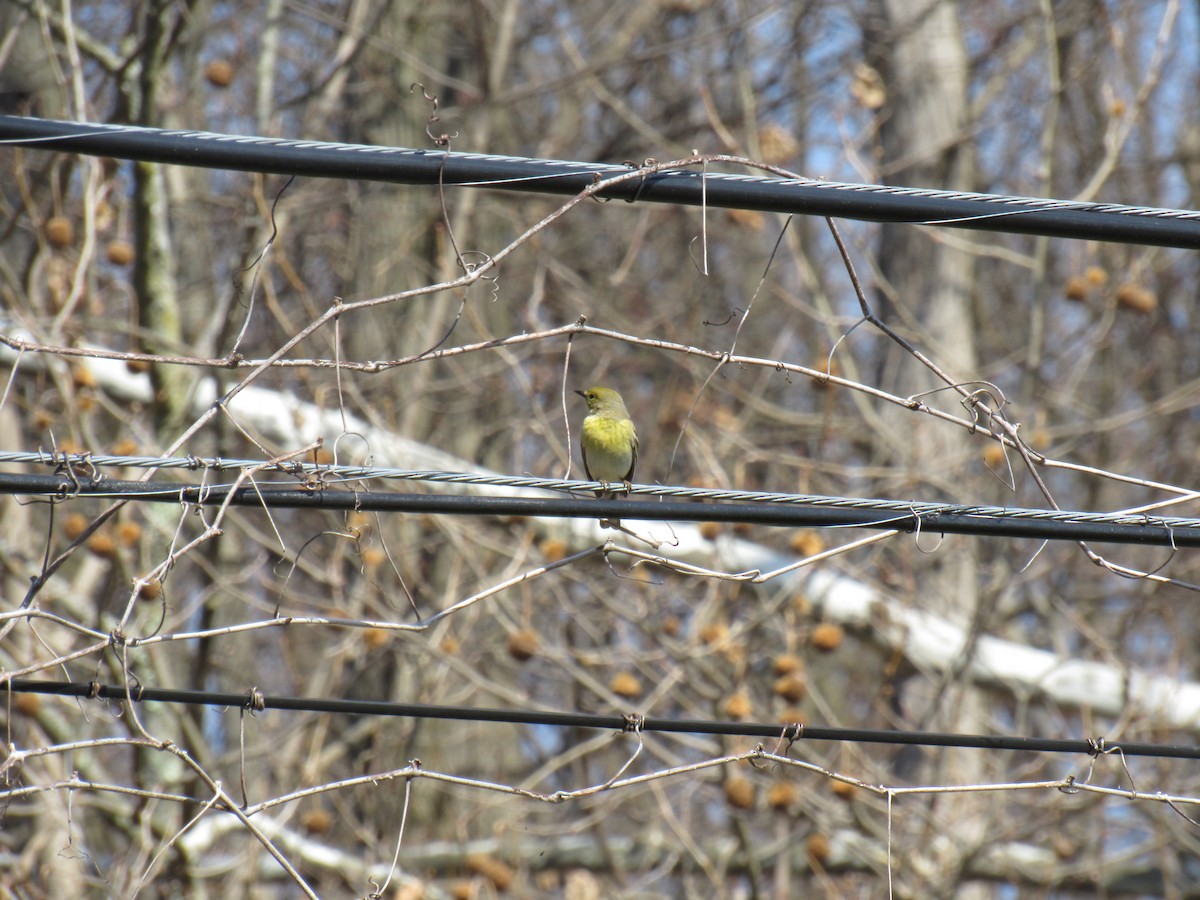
x=1093 y=345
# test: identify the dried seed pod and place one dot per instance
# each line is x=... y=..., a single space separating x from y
x=626 y=684
x=219 y=73
x=739 y=792
x=1076 y=288
x=119 y=253
x=828 y=636
x=523 y=644
x=60 y=232
x=738 y=706
x=791 y=687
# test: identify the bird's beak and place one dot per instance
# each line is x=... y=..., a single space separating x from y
x=581 y=394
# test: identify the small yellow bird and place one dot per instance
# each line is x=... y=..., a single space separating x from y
x=609 y=442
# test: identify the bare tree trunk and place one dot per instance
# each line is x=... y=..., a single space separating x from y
x=920 y=53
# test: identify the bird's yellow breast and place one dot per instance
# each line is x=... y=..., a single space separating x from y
x=608 y=447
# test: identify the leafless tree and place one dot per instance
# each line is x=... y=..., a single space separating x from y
x=192 y=275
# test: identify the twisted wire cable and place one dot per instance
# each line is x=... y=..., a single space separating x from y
x=803 y=196
x=313 y=485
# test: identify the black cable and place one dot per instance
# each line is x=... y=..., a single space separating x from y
x=256 y=700
x=875 y=203
x=949 y=519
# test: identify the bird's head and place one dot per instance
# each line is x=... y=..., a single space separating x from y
x=604 y=400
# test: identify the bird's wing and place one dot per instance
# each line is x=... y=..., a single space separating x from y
x=633 y=461
x=583 y=452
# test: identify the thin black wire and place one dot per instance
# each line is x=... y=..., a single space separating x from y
x=793 y=732
x=868 y=202
x=927 y=518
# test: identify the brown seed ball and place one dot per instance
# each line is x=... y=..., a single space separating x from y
x=791 y=687
x=828 y=636
x=993 y=455
x=817 y=847
x=671 y=626
x=27 y=704
x=316 y=821
x=129 y=533
x=739 y=792
x=710 y=531
x=449 y=645
x=553 y=549
x=125 y=447
x=626 y=684
x=1095 y=275
x=523 y=644
x=150 y=590
x=786 y=664
x=1076 y=288
x=714 y=633
x=843 y=790
x=1136 y=298
x=119 y=253
x=374 y=638
x=373 y=557
x=102 y=545
x=219 y=73
x=83 y=377
x=137 y=366
x=738 y=706
x=60 y=232
x=807 y=542
x=74 y=525
x=782 y=796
